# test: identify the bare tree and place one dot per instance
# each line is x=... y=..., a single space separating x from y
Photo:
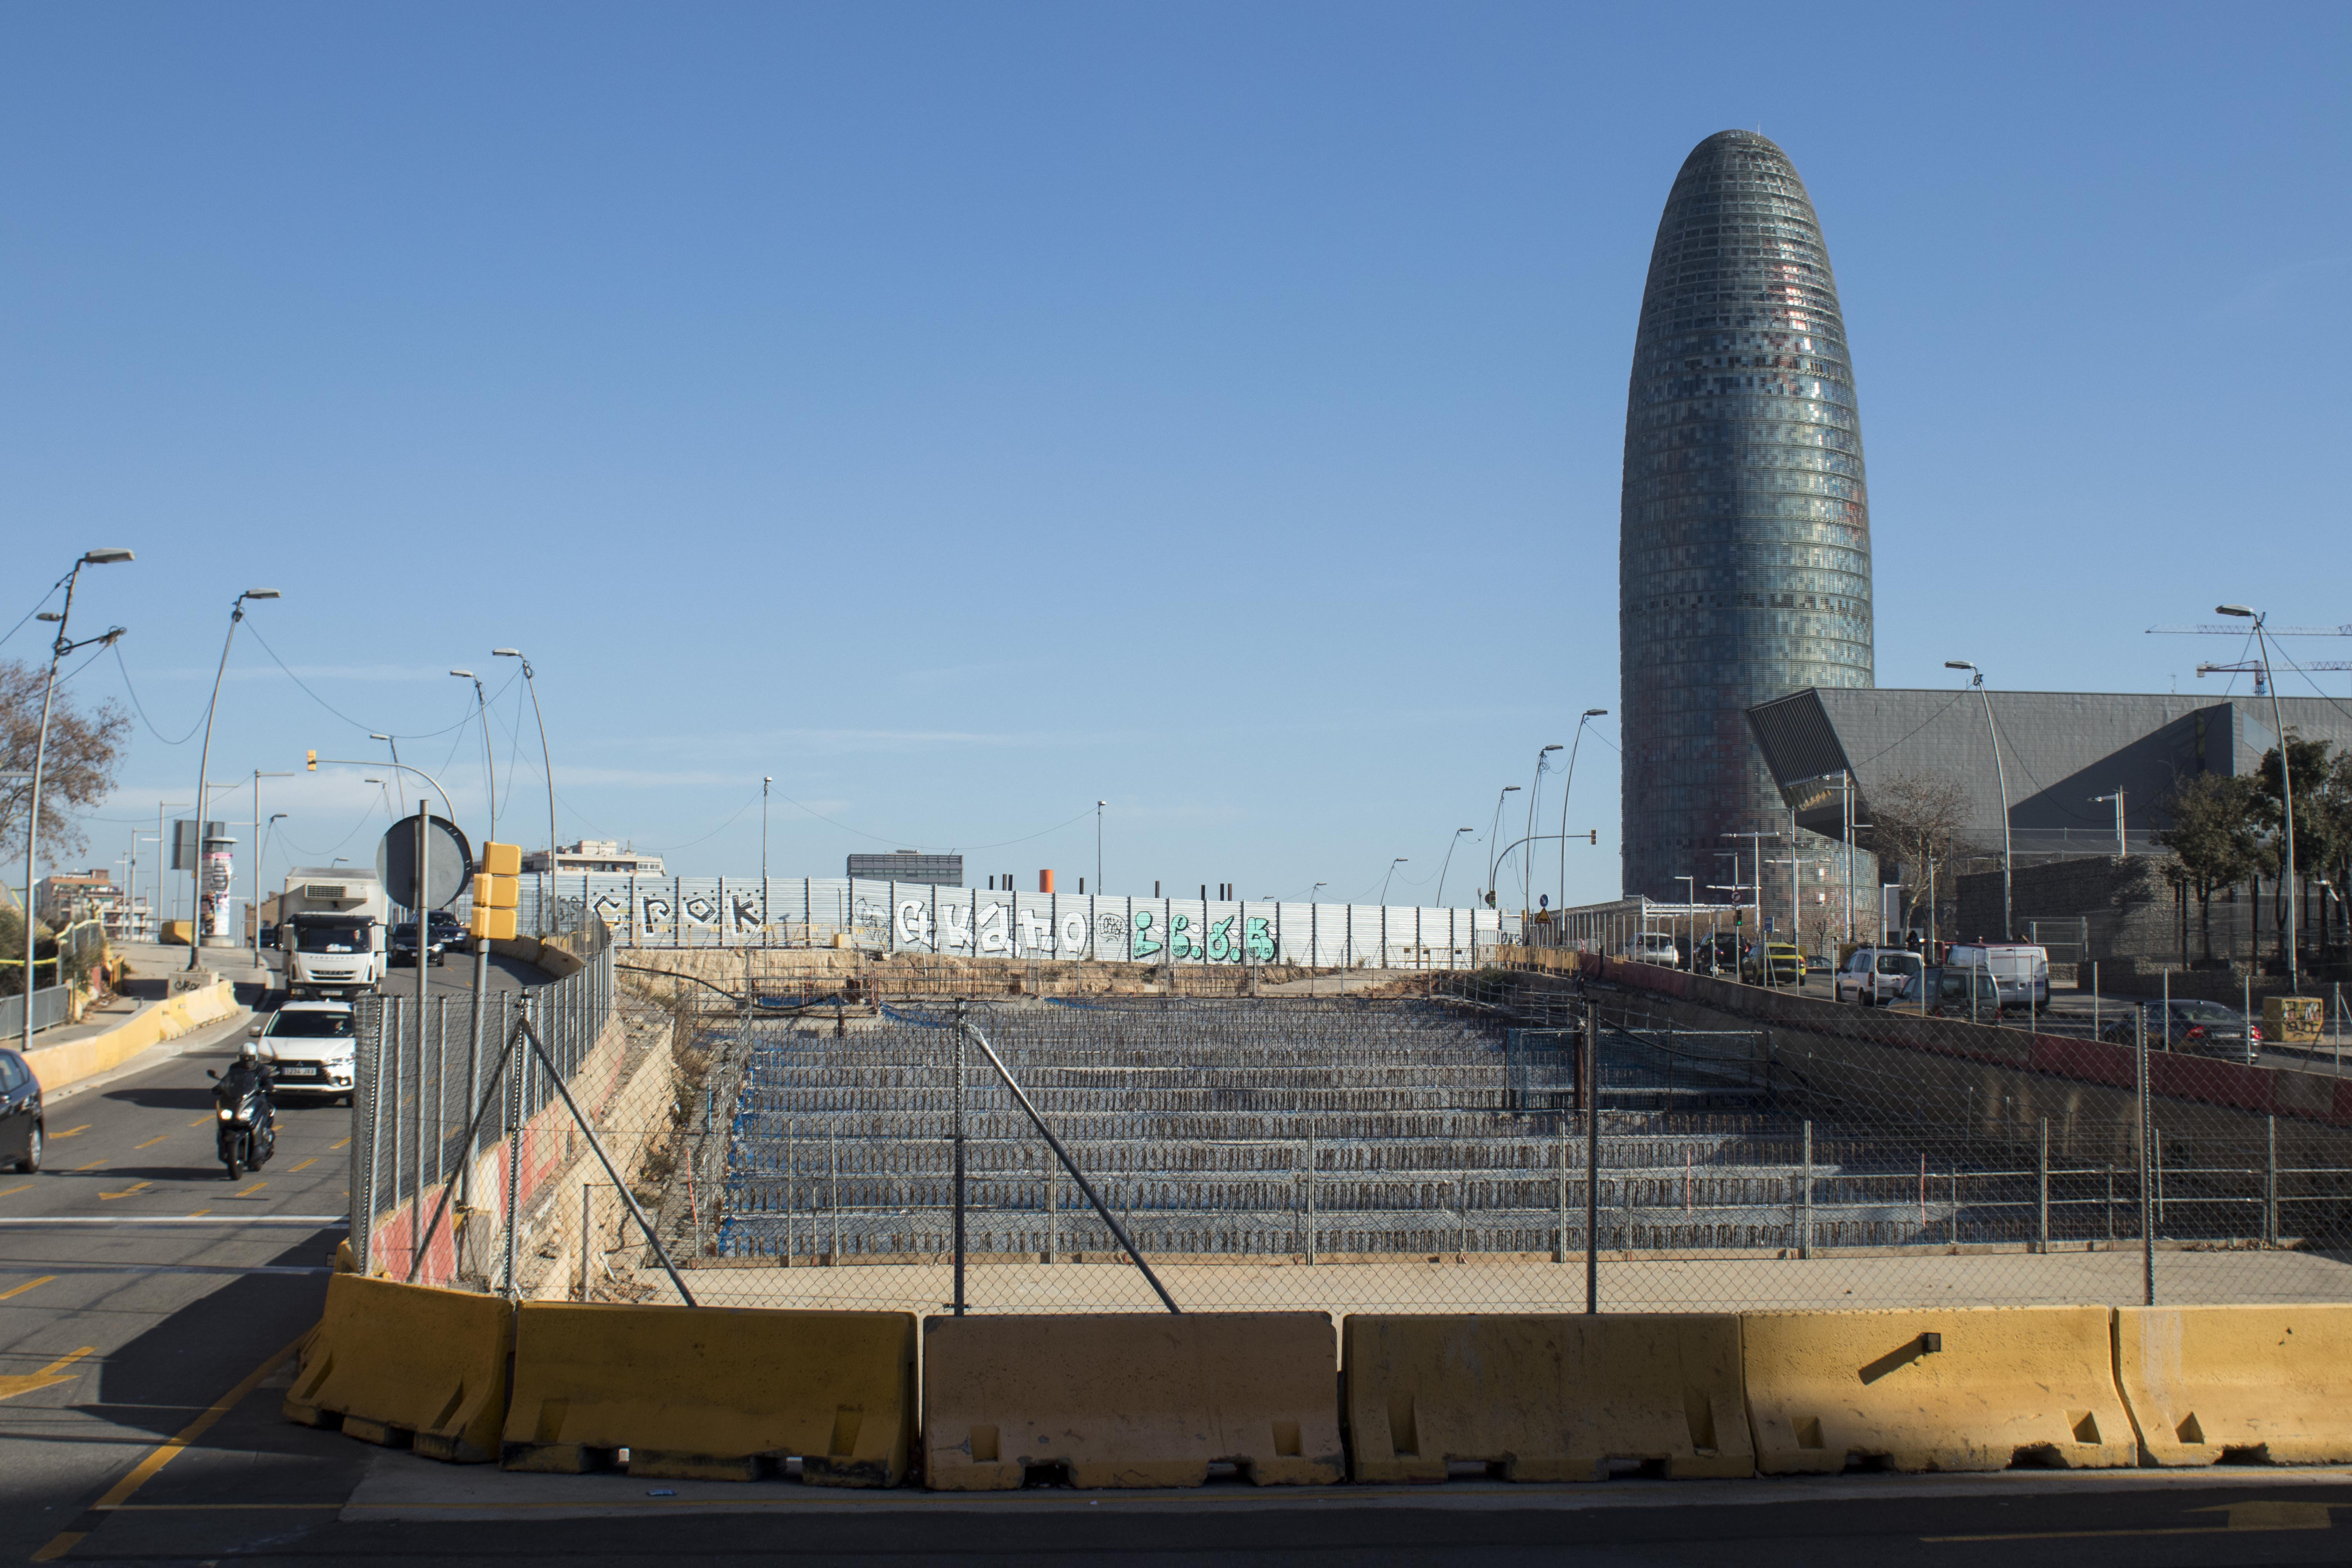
x=1915 y=820
x=77 y=770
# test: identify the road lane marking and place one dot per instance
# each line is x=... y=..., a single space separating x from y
x=200 y=1214
x=144 y=1471
x=49 y=1376
x=149 y=1143
x=248 y=1192
x=2243 y=1516
x=28 y=1285
x=200 y=1121
x=91 y=1166
x=73 y=1131
x=15 y=1190
x=333 y=1147
x=126 y=1192
x=305 y=1165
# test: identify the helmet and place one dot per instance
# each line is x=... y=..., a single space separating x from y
x=248 y=1052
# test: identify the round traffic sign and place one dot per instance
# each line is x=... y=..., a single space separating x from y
x=449 y=865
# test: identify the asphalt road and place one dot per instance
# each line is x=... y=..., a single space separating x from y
x=149 y=1308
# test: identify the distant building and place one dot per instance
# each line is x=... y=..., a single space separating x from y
x=1744 y=552
x=907 y=865
x=608 y=856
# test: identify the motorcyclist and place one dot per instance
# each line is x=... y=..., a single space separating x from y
x=248 y=1076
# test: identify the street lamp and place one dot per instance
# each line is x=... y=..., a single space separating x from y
x=1568 y=789
x=2118 y=799
x=531 y=683
x=2286 y=791
x=1384 y=881
x=1449 y=862
x=396 y=764
x=490 y=764
x=2000 y=773
x=1494 y=832
x=764 y=781
x=204 y=761
x=1098 y=881
x=1535 y=798
x=62 y=645
x=258 y=775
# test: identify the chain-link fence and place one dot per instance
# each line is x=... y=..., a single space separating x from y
x=1487 y=1141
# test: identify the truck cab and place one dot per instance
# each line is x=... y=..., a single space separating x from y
x=330 y=926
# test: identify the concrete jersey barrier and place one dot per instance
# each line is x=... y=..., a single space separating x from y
x=2206 y=1383
x=1960 y=1389
x=1545 y=1398
x=1130 y=1400
x=712 y=1392
x=407 y=1366
x=70 y=1061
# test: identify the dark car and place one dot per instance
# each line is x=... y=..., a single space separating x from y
x=21 y=1131
x=1951 y=993
x=447 y=936
x=2208 y=1029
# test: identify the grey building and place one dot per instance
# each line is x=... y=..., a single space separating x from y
x=908 y=865
x=1744 y=550
x=2059 y=749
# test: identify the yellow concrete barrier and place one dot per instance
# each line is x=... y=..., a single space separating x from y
x=407 y=1366
x=1130 y=1400
x=1965 y=1389
x=1545 y=1398
x=2206 y=1383
x=713 y=1393
x=54 y=1066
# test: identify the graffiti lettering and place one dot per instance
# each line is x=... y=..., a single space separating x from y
x=700 y=909
x=1035 y=930
x=1256 y=940
x=656 y=911
x=1074 y=934
x=994 y=937
x=1221 y=940
x=1178 y=924
x=747 y=912
x=1143 y=945
x=913 y=927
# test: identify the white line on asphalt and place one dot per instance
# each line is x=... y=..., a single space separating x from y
x=174 y=1219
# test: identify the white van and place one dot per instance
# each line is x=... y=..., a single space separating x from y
x=1871 y=975
x=1656 y=948
x=2020 y=970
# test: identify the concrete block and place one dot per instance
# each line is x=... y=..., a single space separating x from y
x=2206 y=1383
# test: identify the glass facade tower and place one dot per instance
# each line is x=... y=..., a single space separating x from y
x=1743 y=547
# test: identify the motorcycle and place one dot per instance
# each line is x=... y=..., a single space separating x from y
x=245 y=1128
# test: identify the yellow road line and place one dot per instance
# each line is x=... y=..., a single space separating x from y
x=200 y=1121
x=150 y=1143
x=15 y=1190
x=305 y=1165
x=74 y=1131
x=91 y=1166
x=165 y=1453
x=336 y=1144
x=49 y=1376
x=60 y=1546
x=126 y=1192
x=248 y=1192
x=200 y=1214
x=28 y=1285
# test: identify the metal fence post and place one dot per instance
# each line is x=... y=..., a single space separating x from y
x=2270 y=1182
x=2146 y=1182
x=518 y=1098
x=1805 y=1212
x=368 y=1107
x=1560 y=1233
x=1312 y=1164
x=833 y=1182
x=2042 y=1185
x=956 y=1136
x=1591 y=1097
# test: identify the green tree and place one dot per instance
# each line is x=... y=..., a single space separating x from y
x=2215 y=839
x=2317 y=844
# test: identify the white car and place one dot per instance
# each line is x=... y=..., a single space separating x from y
x=1871 y=975
x=1656 y=948
x=309 y=1049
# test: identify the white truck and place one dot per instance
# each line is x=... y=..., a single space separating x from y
x=330 y=926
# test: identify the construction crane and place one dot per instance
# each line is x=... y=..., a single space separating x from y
x=2344 y=631
x=2253 y=667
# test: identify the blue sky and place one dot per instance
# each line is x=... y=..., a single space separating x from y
x=966 y=413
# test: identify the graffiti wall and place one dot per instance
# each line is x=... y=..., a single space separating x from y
x=689 y=911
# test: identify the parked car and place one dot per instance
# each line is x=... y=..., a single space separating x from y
x=1818 y=964
x=1951 y=993
x=21 y=1129
x=2022 y=969
x=309 y=1049
x=1772 y=963
x=1656 y=948
x=2208 y=1029
x=1871 y=975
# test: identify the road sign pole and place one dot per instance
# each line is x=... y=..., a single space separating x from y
x=423 y=896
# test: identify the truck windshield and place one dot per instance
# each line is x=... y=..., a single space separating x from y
x=313 y=936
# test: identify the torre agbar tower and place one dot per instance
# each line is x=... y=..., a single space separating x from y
x=1744 y=545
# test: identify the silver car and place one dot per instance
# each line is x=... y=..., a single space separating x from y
x=309 y=1049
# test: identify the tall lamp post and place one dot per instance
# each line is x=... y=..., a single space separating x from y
x=1535 y=798
x=1570 y=789
x=1494 y=832
x=1449 y=862
x=60 y=646
x=1099 y=860
x=531 y=683
x=389 y=741
x=2118 y=799
x=258 y=775
x=1385 y=889
x=204 y=761
x=490 y=759
x=2000 y=773
x=2287 y=880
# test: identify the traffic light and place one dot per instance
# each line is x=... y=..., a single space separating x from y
x=312 y=764
x=495 y=891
